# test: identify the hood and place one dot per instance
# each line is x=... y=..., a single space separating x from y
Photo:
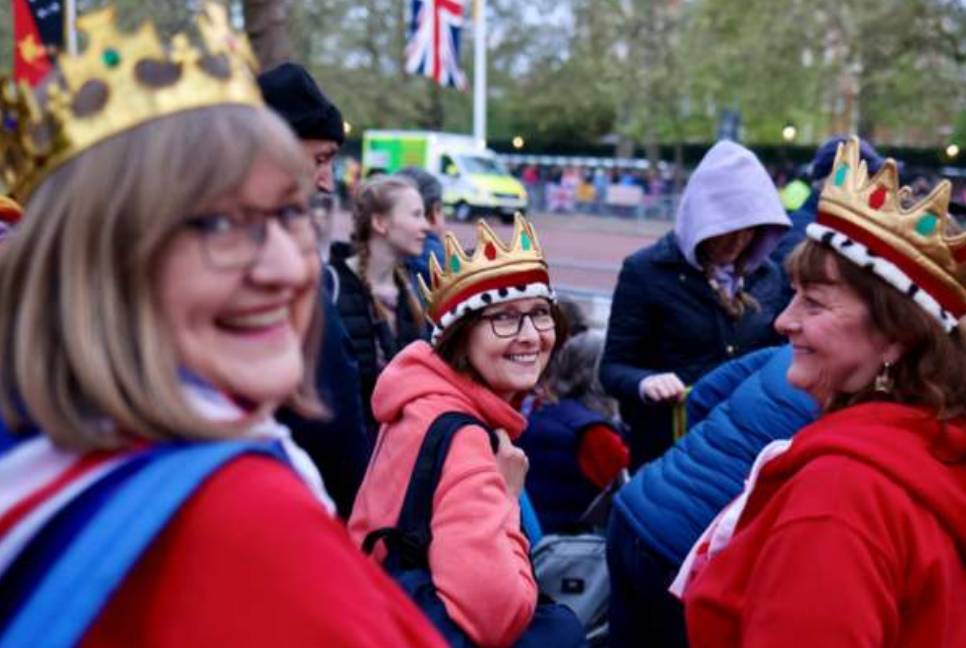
x=893 y=439
x=417 y=377
x=728 y=191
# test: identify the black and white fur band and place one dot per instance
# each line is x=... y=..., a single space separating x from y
x=886 y=270
x=488 y=298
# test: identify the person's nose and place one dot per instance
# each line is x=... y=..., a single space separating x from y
x=324 y=180
x=528 y=332
x=787 y=323
x=281 y=262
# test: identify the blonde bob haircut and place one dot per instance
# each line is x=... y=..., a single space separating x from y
x=84 y=351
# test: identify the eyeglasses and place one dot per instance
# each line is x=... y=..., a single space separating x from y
x=507 y=324
x=233 y=240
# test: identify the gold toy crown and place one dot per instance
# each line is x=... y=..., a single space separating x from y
x=118 y=82
x=494 y=273
x=918 y=249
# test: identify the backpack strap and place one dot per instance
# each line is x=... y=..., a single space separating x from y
x=408 y=541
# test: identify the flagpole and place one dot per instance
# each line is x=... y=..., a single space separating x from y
x=479 y=70
x=70 y=25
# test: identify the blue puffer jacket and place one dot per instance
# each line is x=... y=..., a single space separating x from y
x=739 y=408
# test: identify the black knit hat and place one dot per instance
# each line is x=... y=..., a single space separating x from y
x=292 y=92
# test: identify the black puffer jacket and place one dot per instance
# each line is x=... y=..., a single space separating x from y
x=366 y=330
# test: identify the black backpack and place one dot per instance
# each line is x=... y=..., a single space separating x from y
x=407 y=544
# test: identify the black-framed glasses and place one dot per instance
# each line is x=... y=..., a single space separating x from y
x=509 y=323
x=232 y=240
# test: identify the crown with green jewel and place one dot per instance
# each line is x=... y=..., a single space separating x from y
x=118 y=82
x=916 y=247
x=495 y=272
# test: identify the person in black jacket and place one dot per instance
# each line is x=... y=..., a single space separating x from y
x=703 y=294
x=339 y=447
x=376 y=301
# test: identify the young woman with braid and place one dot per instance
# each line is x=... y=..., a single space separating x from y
x=378 y=306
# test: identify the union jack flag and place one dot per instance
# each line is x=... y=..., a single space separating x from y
x=433 y=42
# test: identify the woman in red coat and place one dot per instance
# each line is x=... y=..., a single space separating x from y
x=854 y=534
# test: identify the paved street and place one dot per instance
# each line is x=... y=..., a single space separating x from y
x=585 y=251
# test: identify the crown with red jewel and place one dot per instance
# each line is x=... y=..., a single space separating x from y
x=916 y=248
x=118 y=82
x=493 y=274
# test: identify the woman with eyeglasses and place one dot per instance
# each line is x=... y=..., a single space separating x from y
x=158 y=303
x=380 y=311
x=495 y=328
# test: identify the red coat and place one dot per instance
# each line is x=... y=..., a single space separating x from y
x=856 y=536
x=253 y=560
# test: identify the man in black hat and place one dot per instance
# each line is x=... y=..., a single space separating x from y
x=292 y=92
x=338 y=447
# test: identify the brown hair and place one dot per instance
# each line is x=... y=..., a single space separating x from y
x=82 y=340
x=453 y=343
x=742 y=301
x=378 y=195
x=933 y=365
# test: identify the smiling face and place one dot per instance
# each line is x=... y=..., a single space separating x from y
x=511 y=365
x=404 y=226
x=242 y=330
x=837 y=349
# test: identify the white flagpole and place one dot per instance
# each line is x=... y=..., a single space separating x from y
x=479 y=70
x=70 y=25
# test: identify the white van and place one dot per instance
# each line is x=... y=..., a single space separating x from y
x=475 y=182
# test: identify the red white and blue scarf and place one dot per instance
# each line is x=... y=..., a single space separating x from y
x=72 y=526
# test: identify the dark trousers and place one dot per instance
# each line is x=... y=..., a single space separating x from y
x=642 y=612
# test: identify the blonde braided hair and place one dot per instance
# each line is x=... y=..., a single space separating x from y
x=378 y=195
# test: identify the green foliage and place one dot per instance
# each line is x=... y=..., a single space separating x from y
x=642 y=71
x=6 y=36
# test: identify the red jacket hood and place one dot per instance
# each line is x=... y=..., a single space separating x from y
x=417 y=374
x=896 y=441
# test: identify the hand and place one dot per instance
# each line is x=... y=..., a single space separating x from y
x=512 y=462
x=662 y=388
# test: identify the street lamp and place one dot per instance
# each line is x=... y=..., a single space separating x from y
x=347 y=127
x=789 y=132
x=518 y=142
x=952 y=151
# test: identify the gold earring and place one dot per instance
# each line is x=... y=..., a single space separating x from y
x=883 y=380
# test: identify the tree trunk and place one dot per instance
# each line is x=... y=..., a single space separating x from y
x=266 y=23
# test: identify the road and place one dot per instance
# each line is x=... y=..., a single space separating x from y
x=584 y=251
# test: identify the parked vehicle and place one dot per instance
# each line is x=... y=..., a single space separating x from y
x=475 y=182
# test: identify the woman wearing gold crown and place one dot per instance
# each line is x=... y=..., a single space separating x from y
x=157 y=302
x=439 y=503
x=854 y=533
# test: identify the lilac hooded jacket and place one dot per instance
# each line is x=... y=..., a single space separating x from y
x=665 y=317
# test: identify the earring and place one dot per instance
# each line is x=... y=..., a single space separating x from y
x=883 y=380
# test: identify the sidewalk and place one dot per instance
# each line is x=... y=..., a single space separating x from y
x=649 y=227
